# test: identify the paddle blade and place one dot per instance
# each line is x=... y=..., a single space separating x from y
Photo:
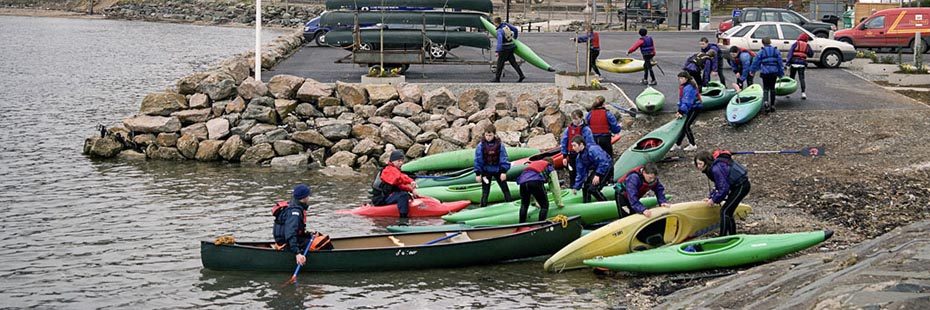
x=812 y=151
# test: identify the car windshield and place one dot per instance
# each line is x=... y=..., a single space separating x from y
x=733 y=30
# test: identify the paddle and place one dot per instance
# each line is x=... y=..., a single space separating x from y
x=293 y=278
x=443 y=238
x=631 y=112
x=656 y=63
x=807 y=151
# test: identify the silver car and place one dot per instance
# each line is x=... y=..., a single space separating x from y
x=828 y=53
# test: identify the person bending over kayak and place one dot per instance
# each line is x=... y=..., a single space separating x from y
x=648 y=48
x=290 y=225
x=506 y=45
x=797 y=59
x=696 y=65
x=768 y=60
x=717 y=62
x=603 y=126
x=391 y=186
x=594 y=48
x=689 y=105
x=592 y=167
x=577 y=128
x=491 y=165
x=633 y=185
x=741 y=61
x=731 y=184
x=532 y=186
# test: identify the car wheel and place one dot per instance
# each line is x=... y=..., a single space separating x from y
x=831 y=59
x=822 y=34
x=910 y=45
x=438 y=51
x=319 y=38
x=846 y=40
x=365 y=46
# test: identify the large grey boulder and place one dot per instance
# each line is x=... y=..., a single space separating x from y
x=511 y=124
x=163 y=153
x=407 y=109
x=391 y=134
x=237 y=105
x=311 y=137
x=217 y=128
x=167 y=139
x=162 y=104
x=488 y=114
x=208 y=150
x=387 y=109
x=260 y=113
x=287 y=147
x=365 y=111
x=329 y=102
x=459 y=135
x=257 y=154
x=407 y=126
x=410 y=92
x=472 y=100
x=198 y=130
x=284 y=86
x=426 y=137
x=553 y=123
x=502 y=101
x=434 y=125
x=366 y=147
x=343 y=145
x=543 y=142
x=199 y=101
x=415 y=151
x=294 y=161
x=284 y=106
x=152 y=124
x=250 y=88
x=351 y=94
x=218 y=87
x=335 y=130
x=527 y=109
x=187 y=145
x=437 y=100
x=233 y=148
x=306 y=110
x=188 y=84
x=312 y=90
x=441 y=146
x=366 y=131
x=276 y=135
x=380 y=93
x=341 y=159
x=105 y=147
x=193 y=115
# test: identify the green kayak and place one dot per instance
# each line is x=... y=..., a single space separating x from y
x=394 y=38
x=507 y=207
x=650 y=101
x=785 y=86
x=459 y=159
x=716 y=98
x=375 y=5
x=468 y=177
x=522 y=50
x=650 y=148
x=713 y=85
x=745 y=105
x=592 y=212
x=336 y=19
x=470 y=192
x=720 y=252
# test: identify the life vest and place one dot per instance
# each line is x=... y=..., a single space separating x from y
x=744 y=50
x=648 y=48
x=737 y=174
x=380 y=190
x=598 y=121
x=280 y=206
x=573 y=131
x=644 y=188
x=595 y=40
x=771 y=57
x=538 y=166
x=508 y=35
x=491 y=151
x=800 y=51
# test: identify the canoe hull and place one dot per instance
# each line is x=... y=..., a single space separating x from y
x=340 y=19
x=745 y=105
x=621 y=65
x=650 y=101
x=420 y=207
x=459 y=159
x=409 y=38
x=720 y=252
x=636 y=232
x=542 y=239
x=374 y=5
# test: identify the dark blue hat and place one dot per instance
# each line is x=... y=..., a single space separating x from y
x=396 y=155
x=301 y=191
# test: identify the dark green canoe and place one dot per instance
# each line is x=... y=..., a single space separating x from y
x=716 y=98
x=401 y=251
x=409 y=38
x=374 y=5
x=458 y=19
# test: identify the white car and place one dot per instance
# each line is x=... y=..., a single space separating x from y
x=827 y=52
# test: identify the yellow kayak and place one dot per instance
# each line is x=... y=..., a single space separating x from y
x=674 y=224
x=621 y=65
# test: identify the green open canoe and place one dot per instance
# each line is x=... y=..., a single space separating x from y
x=523 y=51
x=459 y=159
x=374 y=5
x=401 y=251
x=650 y=148
x=592 y=212
x=720 y=252
x=716 y=98
x=745 y=105
x=785 y=86
x=470 y=192
x=650 y=101
x=409 y=38
x=448 y=19
x=507 y=207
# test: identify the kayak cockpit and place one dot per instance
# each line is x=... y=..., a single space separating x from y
x=648 y=144
x=713 y=92
x=710 y=246
x=744 y=99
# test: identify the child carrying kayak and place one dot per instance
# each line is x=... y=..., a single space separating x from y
x=648 y=48
x=491 y=165
x=797 y=60
x=741 y=61
x=689 y=105
x=768 y=60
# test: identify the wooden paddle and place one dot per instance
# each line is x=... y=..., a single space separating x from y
x=807 y=151
x=293 y=278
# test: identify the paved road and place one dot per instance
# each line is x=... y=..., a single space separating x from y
x=827 y=89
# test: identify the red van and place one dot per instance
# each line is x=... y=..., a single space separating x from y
x=889 y=28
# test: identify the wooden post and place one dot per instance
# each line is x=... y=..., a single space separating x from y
x=918 y=51
x=90 y=7
x=258 y=40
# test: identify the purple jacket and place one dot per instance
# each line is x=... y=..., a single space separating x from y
x=719 y=171
x=533 y=176
x=631 y=186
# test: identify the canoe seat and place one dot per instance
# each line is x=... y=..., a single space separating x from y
x=396 y=241
x=463 y=237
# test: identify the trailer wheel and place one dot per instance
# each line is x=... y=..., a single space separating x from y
x=438 y=51
x=365 y=46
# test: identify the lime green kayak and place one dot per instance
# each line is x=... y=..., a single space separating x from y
x=650 y=148
x=650 y=101
x=720 y=252
x=470 y=192
x=507 y=207
x=716 y=98
x=459 y=159
x=522 y=50
x=785 y=86
x=592 y=212
x=464 y=178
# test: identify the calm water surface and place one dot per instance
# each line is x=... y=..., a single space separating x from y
x=82 y=233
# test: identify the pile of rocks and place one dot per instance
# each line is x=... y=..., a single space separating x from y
x=213 y=12
x=293 y=121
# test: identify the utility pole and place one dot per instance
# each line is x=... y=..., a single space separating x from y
x=507 y=11
x=258 y=40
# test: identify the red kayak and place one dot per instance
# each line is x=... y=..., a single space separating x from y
x=419 y=207
x=557 y=159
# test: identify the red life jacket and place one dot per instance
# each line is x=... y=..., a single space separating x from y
x=598 y=121
x=743 y=50
x=538 y=166
x=800 y=51
x=573 y=131
x=643 y=188
x=492 y=151
x=595 y=40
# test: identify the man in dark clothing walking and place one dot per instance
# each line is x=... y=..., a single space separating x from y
x=506 y=34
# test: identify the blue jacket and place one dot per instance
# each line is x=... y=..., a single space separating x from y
x=592 y=158
x=289 y=224
x=481 y=167
x=719 y=171
x=716 y=49
x=631 y=186
x=690 y=64
x=500 y=35
x=768 y=60
x=585 y=132
x=798 y=60
x=743 y=66
x=611 y=122
x=688 y=100
x=533 y=176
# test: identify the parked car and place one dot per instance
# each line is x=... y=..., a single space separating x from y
x=819 y=29
x=827 y=52
x=645 y=11
x=892 y=28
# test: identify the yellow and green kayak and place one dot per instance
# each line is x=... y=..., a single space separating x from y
x=621 y=65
